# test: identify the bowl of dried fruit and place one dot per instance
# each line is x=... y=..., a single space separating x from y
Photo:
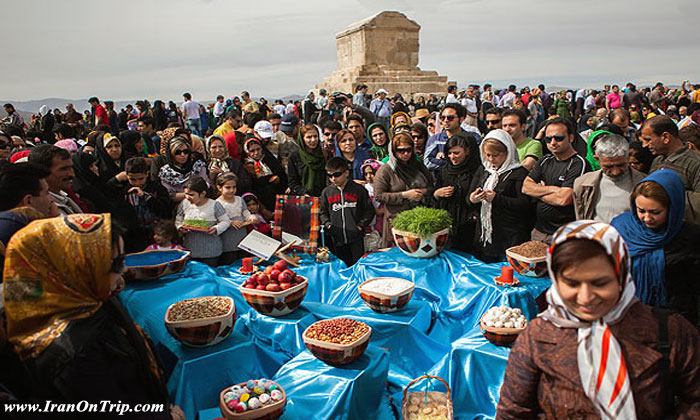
x=502 y=324
x=276 y=291
x=202 y=321
x=260 y=399
x=529 y=258
x=153 y=264
x=386 y=294
x=337 y=341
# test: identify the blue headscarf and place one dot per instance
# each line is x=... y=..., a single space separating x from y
x=360 y=156
x=646 y=245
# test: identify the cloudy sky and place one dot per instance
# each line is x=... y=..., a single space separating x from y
x=127 y=49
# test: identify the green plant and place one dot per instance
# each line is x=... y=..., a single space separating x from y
x=196 y=223
x=422 y=221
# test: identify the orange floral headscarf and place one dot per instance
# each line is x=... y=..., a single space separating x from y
x=56 y=271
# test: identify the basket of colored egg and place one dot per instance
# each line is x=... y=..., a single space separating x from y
x=260 y=399
x=202 y=321
x=337 y=341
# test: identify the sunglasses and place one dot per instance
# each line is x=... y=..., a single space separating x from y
x=118 y=264
x=447 y=117
x=557 y=137
x=182 y=152
x=404 y=150
x=329 y=134
x=335 y=174
x=492 y=121
x=416 y=137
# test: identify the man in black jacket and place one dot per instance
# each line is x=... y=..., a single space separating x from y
x=346 y=211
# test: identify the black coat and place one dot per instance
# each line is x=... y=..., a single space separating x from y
x=463 y=215
x=512 y=214
x=682 y=256
x=295 y=166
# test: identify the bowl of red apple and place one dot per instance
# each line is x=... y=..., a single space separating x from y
x=276 y=291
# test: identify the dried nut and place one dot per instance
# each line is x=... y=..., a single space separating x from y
x=337 y=331
x=199 y=308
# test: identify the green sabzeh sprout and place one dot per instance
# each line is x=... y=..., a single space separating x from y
x=422 y=221
x=195 y=223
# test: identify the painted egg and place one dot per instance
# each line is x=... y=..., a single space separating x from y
x=253 y=403
x=276 y=395
x=258 y=390
x=241 y=407
x=264 y=398
x=251 y=384
x=232 y=404
x=245 y=397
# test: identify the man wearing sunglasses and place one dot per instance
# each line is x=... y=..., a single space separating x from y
x=551 y=180
x=451 y=118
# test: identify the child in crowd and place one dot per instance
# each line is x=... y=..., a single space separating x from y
x=201 y=221
x=165 y=236
x=261 y=223
x=373 y=239
x=237 y=212
x=149 y=200
x=346 y=211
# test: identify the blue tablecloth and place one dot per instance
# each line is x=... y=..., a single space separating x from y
x=437 y=333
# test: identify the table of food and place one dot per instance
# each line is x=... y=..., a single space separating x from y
x=390 y=337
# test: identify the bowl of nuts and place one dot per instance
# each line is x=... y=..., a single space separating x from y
x=386 y=294
x=202 y=321
x=337 y=341
x=153 y=264
x=502 y=324
x=529 y=258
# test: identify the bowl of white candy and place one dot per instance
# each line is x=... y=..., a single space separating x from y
x=502 y=324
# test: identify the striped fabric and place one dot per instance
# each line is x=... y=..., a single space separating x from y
x=309 y=246
x=600 y=360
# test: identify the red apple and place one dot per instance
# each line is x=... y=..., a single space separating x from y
x=298 y=279
x=285 y=286
x=274 y=274
x=269 y=269
x=280 y=265
x=263 y=279
x=260 y=287
x=273 y=287
x=285 y=278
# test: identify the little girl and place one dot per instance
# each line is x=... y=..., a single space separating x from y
x=201 y=221
x=238 y=214
x=164 y=236
x=369 y=169
x=260 y=224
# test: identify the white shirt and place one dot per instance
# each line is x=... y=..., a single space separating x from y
x=470 y=104
x=613 y=197
x=290 y=108
x=191 y=109
x=589 y=104
x=236 y=210
x=451 y=99
x=507 y=100
x=218 y=109
x=280 y=109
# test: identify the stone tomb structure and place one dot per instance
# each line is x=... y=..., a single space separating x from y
x=382 y=52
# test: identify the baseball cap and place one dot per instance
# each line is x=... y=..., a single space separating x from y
x=382 y=91
x=289 y=121
x=264 y=129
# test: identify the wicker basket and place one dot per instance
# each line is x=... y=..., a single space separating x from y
x=276 y=303
x=202 y=332
x=383 y=303
x=504 y=337
x=525 y=266
x=268 y=412
x=138 y=267
x=337 y=354
x=443 y=399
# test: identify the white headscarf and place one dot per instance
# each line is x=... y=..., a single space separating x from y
x=512 y=161
x=43 y=110
x=600 y=361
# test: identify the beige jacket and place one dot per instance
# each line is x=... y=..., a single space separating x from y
x=586 y=189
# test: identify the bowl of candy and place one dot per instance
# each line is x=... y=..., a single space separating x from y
x=386 y=294
x=260 y=399
x=337 y=341
x=153 y=264
x=276 y=291
x=202 y=321
x=529 y=258
x=502 y=324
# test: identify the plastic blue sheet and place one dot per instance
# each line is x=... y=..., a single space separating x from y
x=437 y=333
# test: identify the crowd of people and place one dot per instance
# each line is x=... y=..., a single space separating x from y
x=509 y=166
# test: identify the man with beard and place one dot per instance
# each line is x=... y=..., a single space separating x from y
x=604 y=194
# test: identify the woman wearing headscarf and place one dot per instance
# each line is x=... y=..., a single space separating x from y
x=181 y=165
x=220 y=162
x=399 y=117
x=66 y=324
x=132 y=144
x=452 y=187
x=665 y=250
x=306 y=167
x=347 y=148
x=160 y=117
x=505 y=214
x=110 y=159
x=401 y=184
x=380 y=138
x=47 y=122
x=593 y=354
x=267 y=173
